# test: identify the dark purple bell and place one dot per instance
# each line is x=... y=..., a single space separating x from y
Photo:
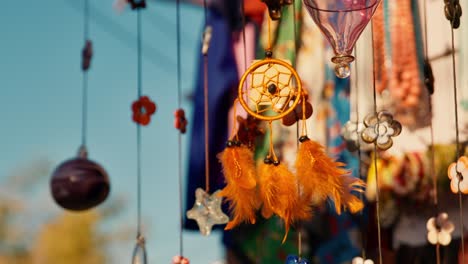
x=79 y=184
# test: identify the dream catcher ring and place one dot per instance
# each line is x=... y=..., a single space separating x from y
x=270 y=89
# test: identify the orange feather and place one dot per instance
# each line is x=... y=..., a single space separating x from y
x=321 y=177
x=279 y=195
x=239 y=171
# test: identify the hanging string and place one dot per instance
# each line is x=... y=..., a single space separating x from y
x=269 y=34
x=304 y=129
x=457 y=142
x=84 y=99
x=242 y=11
x=206 y=106
x=179 y=136
x=359 y=153
x=139 y=93
x=431 y=125
x=272 y=148
x=377 y=199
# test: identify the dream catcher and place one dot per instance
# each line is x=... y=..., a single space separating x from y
x=79 y=184
x=269 y=90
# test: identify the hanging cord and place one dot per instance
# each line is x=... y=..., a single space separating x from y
x=377 y=199
x=431 y=127
x=356 y=110
x=457 y=143
x=179 y=136
x=242 y=11
x=84 y=100
x=304 y=129
x=272 y=154
x=139 y=87
x=206 y=39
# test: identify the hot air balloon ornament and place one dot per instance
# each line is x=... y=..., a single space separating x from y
x=342 y=22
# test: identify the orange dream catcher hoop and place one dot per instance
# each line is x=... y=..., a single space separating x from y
x=270 y=89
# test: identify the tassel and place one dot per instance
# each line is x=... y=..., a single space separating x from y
x=239 y=171
x=322 y=178
x=279 y=195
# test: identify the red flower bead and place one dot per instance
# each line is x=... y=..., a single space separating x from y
x=180 y=121
x=142 y=109
x=180 y=260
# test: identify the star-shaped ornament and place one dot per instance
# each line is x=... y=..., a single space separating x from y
x=207 y=211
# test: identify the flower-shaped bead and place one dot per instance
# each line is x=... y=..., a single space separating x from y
x=458 y=174
x=351 y=133
x=440 y=230
x=180 y=122
x=180 y=260
x=293 y=259
x=359 y=260
x=142 y=109
x=380 y=128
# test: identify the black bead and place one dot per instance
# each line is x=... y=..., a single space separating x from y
x=269 y=53
x=276 y=162
x=230 y=144
x=237 y=143
x=267 y=160
x=272 y=88
x=303 y=139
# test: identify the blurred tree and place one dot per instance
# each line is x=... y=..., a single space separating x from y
x=71 y=238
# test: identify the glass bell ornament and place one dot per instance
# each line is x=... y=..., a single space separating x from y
x=139 y=253
x=342 y=22
x=79 y=184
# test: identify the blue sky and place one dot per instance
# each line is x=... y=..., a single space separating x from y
x=40 y=105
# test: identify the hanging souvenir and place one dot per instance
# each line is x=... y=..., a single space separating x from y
x=207 y=210
x=342 y=22
x=79 y=183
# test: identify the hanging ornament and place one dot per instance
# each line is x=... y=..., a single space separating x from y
x=458 y=175
x=180 y=122
x=207 y=211
x=270 y=89
x=453 y=12
x=279 y=194
x=275 y=7
x=139 y=253
x=322 y=178
x=240 y=191
x=360 y=260
x=296 y=115
x=143 y=109
x=293 y=259
x=380 y=128
x=79 y=184
x=439 y=230
x=180 y=260
x=342 y=22
x=351 y=133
